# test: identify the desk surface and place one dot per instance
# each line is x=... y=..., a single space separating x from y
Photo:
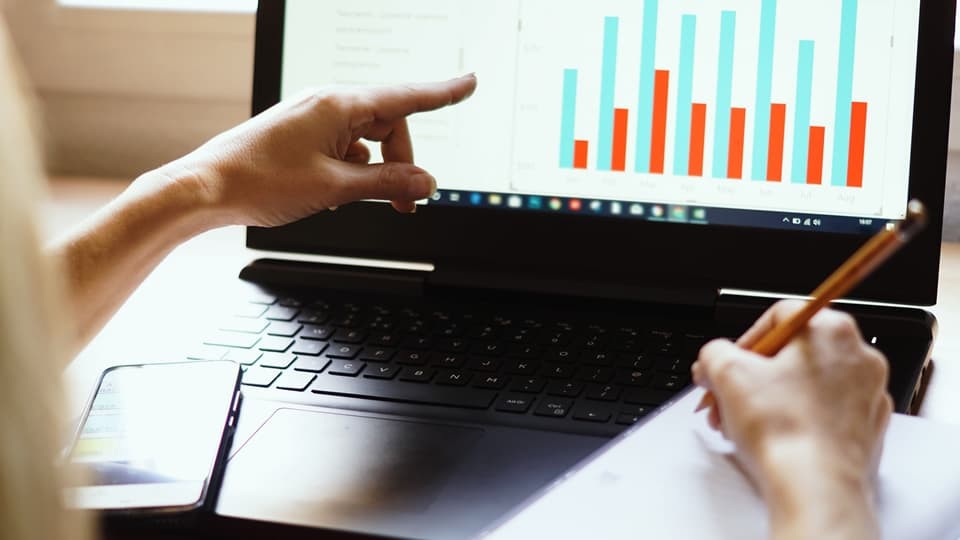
x=205 y=268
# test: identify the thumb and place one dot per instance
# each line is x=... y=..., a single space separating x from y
x=384 y=181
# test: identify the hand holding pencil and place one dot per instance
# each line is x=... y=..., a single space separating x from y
x=863 y=263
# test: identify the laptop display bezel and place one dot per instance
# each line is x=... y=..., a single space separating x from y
x=588 y=249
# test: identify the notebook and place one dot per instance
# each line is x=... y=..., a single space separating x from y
x=672 y=478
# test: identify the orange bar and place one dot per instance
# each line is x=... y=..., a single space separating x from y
x=778 y=125
x=658 y=148
x=698 y=130
x=815 y=155
x=621 y=118
x=738 y=122
x=580 y=151
x=858 y=144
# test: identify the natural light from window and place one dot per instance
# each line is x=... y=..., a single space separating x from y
x=232 y=6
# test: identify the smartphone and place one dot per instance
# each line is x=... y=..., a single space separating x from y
x=154 y=438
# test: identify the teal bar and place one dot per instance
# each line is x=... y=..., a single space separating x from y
x=648 y=75
x=688 y=41
x=848 y=45
x=608 y=87
x=761 y=127
x=721 y=135
x=801 y=132
x=568 y=118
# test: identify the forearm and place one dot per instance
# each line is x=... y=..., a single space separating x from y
x=807 y=498
x=110 y=254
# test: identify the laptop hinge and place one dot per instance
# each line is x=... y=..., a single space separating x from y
x=286 y=274
x=531 y=283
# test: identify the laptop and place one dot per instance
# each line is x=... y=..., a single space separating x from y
x=631 y=180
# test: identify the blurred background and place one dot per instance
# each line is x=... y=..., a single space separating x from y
x=126 y=85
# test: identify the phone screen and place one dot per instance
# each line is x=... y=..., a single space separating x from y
x=152 y=435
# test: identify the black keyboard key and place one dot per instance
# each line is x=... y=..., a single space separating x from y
x=633 y=377
x=454 y=378
x=554 y=407
x=527 y=352
x=384 y=340
x=449 y=361
x=592 y=413
x=282 y=329
x=520 y=367
x=670 y=382
x=275 y=344
x=450 y=345
x=673 y=365
x=277 y=360
x=563 y=356
x=514 y=403
x=290 y=302
x=319 y=333
x=647 y=397
x=260 y=377
x=627 y=419
x=417 y=375
x=314 y=317
x=488 y=349
x=593 y=358
x=565 y=389
x=377 y=354
x=281 y=313
x=556 y=339
x=343 y=352
x=349 y=336
x=604 y=392
x=311 y=365
x=531 y=385
x=233 y=340
x=346 y=368
x=635 y=361
x=558 y=371
x=245 y=326
x=417 y=342
x=295 y=381
x=413 y=358
x=599 y=375
x=468 y=398
x=309 y=348
x=244 y=357
x=491 y=382
x=382 y=372
x=347 y=321
x=485 y=365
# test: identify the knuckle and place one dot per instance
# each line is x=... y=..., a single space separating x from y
x=837 y=324
x=788 y=307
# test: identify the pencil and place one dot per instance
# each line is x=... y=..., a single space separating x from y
x=863 y=263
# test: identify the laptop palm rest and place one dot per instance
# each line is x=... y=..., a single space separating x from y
x=388 y=477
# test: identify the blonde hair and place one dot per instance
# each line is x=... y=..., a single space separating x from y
x=32 y=336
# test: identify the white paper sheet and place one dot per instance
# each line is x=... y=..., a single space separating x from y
x=671 y=478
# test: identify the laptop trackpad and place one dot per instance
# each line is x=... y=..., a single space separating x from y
x=340 y=470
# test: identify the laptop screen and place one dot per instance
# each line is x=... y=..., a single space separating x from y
x=784 y=114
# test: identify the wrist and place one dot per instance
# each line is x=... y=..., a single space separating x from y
x=812 y=492
x=184 y=196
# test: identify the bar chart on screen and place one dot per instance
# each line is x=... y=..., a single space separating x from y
x=773 y=104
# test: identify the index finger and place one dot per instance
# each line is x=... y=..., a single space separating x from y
x=780 y=312
x=394 y=102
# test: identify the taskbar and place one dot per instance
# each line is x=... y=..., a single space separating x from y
x=661 y=212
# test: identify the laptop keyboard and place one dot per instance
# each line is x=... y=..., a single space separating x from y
x=507 y=363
